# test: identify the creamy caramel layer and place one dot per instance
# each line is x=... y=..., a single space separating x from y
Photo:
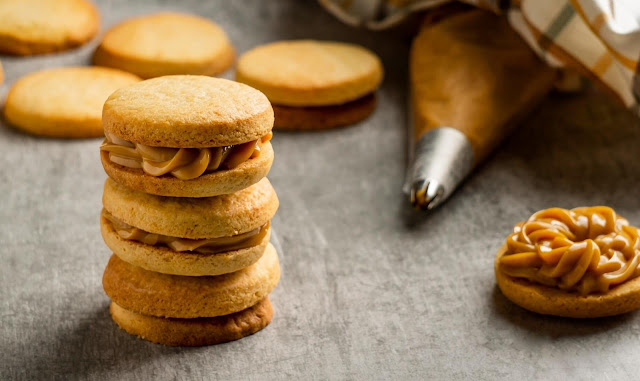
x=183 y=163
x=204 y=246
x=587 y=250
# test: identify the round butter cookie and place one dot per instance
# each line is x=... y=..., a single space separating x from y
x=63 y=102
x=167 y=260
x=151 y=293
x=166 y=44
x=187 y=136
x=310 y=73
x=193 y=218
x=552 y=301
x=577 y=263
x=188 y=236
x=44 y=26
x=194 y=332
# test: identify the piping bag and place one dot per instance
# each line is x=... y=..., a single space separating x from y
x=472 y=80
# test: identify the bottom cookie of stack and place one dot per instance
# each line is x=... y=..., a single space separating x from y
x=188 y=310
x=197 y=331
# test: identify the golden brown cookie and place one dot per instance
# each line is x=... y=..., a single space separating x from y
x=164 y=259
x=194 y=332
x=188 y=111
x=166 y=44
x=193 y=218
x=310 y=73
x=212 y=132
x=579 y=263
x=552 y=301
x=63 y=102
x=162 y=295
x=311 y=118
x=45 y=26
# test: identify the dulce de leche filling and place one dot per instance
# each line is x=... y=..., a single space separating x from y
x=588 y=250
x=204 y=246
x=183 y=163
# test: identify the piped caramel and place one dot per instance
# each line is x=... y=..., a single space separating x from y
x=183 y=163
x=204 y=246
x=588 y=250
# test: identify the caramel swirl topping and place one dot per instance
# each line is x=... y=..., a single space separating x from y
x=203 y=246
x=183 y=163
x=588 y=250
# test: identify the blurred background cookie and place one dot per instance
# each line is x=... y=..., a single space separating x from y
x=44 y=26
x=313 y=84
x=63 y=102
x=164 y=44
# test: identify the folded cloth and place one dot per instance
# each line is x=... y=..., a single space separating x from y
x=598 y=38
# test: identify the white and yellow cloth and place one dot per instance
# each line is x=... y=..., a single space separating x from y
x=598 y=38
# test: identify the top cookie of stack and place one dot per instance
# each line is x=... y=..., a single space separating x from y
x=187 y=136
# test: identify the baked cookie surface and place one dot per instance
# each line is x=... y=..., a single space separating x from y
x=166 y=44
x=44 y=26
x=185 y=111
x=194 y=218
x=194 y=332
x=162 y=258
x=310 y=73
x=151 y=293
x=579 y=263
x=63 y=102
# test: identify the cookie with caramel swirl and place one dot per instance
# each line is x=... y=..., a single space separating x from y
x=188 y=236
x=187 y=136
x=579 y=263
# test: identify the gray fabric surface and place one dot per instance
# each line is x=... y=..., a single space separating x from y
x=370 y=290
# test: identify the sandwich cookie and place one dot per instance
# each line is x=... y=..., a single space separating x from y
x=313 y=84
x=188 y=236
x=578 y=263
x=187 y=136
x=194 y=332
x=44 y=26
x=150 y=293
x=166 y=44
x=63 y=102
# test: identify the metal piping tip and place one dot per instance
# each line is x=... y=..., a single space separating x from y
x=426 y=195
x=442 y=158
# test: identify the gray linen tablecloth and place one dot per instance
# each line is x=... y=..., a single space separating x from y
x=369 y=289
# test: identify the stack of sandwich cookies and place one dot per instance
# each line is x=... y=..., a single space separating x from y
x=314 y=84
x=192 y=261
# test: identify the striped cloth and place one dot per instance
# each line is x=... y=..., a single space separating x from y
x=598 y=38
